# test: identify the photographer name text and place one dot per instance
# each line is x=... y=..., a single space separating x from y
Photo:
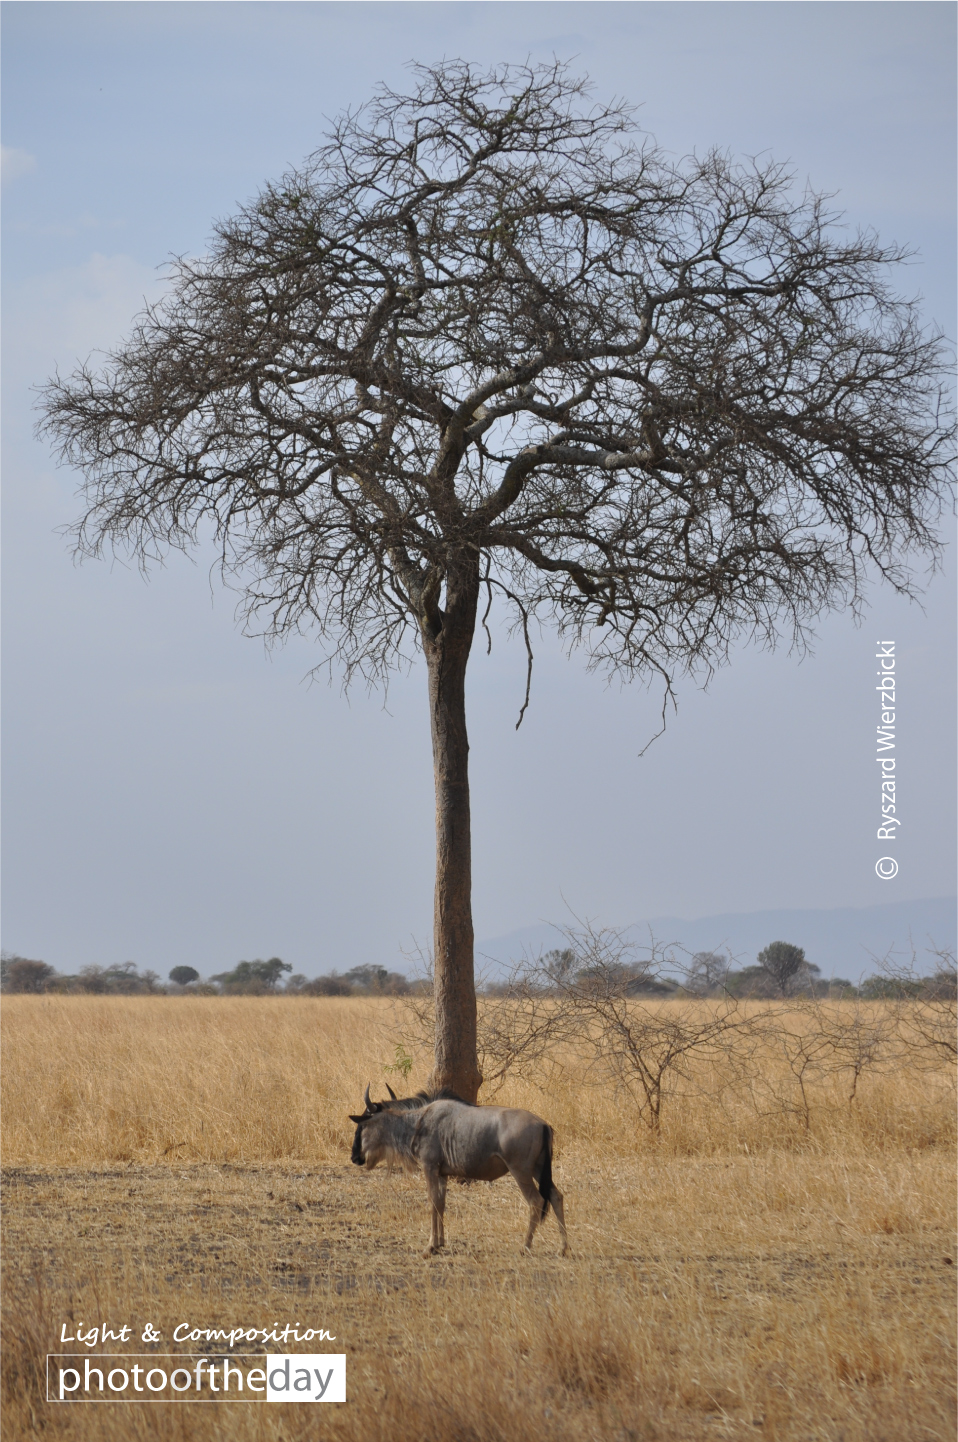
x=885 y=735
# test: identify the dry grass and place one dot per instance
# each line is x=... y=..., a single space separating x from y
x=746 y=1276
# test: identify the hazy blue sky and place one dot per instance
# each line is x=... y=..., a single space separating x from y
x=174 y=795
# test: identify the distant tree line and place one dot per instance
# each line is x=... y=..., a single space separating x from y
x=19 y=973
x=247 y=978
x=781 y=970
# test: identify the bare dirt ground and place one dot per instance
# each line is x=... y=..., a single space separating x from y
x=580 y=1347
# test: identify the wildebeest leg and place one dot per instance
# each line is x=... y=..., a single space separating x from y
x=442 y=1211
x=530 y=1191
x=436 y=1186
x=555 y=1200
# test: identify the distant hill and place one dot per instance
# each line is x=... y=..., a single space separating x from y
x=841 y=942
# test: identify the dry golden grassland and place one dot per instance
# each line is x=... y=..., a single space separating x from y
x=173 y=1160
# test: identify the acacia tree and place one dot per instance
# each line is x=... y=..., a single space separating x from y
x=489 y=342
x=708 y=971
x=784 y=965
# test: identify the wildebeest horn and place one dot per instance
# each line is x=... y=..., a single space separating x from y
x=366 y=1102
x=390 y=1091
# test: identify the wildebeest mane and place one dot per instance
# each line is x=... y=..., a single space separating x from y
x=423 y=1098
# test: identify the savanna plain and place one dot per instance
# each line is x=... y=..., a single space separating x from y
x=774 y=1261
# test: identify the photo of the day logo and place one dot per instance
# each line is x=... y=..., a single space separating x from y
x=306 y=1377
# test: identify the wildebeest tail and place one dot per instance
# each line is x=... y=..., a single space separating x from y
x=545 y=1179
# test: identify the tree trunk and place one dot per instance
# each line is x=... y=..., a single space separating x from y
x=447 y=649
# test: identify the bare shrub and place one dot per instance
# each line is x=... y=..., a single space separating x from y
x=925 y=1006
x=860 y=1037
x=521 y=1031
x=521 y=1022
x=792 y=1034
x=608 y=1000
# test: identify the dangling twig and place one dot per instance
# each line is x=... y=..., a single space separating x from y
x=525 y=633
x=667 y=695
x=490 y=582
x=485 y=615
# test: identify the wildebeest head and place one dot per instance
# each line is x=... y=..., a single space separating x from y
x=380 y=1134
x=368 y=1143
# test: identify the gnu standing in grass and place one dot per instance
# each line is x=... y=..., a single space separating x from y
x=442 y=1136
x=491 y=343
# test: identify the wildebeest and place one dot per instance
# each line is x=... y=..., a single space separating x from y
x=442 y=1136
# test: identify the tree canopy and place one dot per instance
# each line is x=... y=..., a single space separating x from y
x=785 y=965
x=183 y=975
x=667 y=403
x=253 y=975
